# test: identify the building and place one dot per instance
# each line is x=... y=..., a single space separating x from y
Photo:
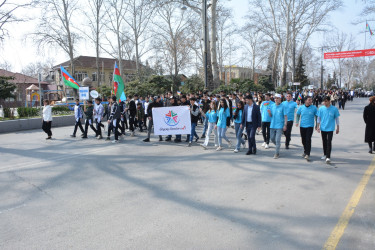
x=85 y=68
x=230 y=72
x=26 y=86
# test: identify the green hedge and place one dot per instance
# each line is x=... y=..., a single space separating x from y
x=7 y=113
x=27 y=112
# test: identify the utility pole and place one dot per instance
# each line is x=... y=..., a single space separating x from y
x=40 y=90
x=321 y=70
x=205 y=45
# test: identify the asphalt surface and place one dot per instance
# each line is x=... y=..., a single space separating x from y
x=89 y=194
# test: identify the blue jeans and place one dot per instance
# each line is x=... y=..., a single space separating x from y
x=193 y=133
x=276 y=138
x=205 y=125
x=239 y=130
x=221 y=135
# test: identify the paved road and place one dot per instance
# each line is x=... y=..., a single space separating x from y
x=74 y=193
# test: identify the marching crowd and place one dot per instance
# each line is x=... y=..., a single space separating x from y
x=271 y=115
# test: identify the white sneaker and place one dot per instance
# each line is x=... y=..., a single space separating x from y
x=307 y=157
x=219 y=148
x=115 y=141
x=236 y=150
x=230 y=144
x=276 y=156
x=323 y=157
x=264 y=144
x=267 y=146
x=328 y=160
x=203 y=146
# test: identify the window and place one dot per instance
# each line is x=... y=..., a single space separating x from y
x=79 y=76
x=94 y=78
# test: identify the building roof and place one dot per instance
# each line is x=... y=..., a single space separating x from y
x=19 y=78
x=90 y=62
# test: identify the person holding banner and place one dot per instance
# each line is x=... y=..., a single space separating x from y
x=183 y=102
x=171 y=103
x=155 y=104
x=221 y=126
x=78 y=115
x=194 y=112
x=89 y=113
x=98 y=114
x=211 y=118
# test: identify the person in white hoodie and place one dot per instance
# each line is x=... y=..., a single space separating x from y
x=47 y=119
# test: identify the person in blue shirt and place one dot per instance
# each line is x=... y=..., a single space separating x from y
x=279 y=121
x=221 y=126
x=211 y=118
x=306 y=115
x=266 y=120
x=290 y=107
x=237 y=126
x=328 y=116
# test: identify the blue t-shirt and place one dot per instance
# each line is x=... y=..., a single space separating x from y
x=307 y=115
x=278 y=112
x=327 y=118
x=212 y=116
x=239 y=117
x=263 y=110
x=290 y=107
x=223 y=115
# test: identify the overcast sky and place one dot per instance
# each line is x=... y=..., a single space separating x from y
x=19 y=51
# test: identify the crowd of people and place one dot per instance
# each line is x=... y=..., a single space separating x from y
x=249 y=114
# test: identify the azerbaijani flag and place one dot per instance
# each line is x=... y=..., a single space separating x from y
x=68 y=79
x=369 y=29
x=299 y=97
x=118 y=84
x=178 y=93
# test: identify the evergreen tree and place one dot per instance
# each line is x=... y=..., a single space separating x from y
x=6 y=88
x=300 y=73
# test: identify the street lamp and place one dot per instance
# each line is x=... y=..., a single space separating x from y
x=205 y=41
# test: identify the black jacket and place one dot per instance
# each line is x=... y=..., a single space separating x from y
x=369 y=118
x=132 y=108
x=153 y=105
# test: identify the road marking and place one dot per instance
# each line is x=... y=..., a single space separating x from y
x=341 y=225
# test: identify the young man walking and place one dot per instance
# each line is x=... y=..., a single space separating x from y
x=89 y=113
x=328 y=116
x=194 y=112
x=78 y=115
x=251 y=121
x=266 y=120
x=98 y=114
x=155 y=104
x=279 y=121
x=290 y=107
x=306 y=115
x=115 y=117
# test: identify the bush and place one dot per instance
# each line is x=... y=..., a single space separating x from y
x=27 y=112
x=7 y=112
x=61 y=110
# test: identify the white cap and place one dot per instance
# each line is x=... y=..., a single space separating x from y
x=277 y=96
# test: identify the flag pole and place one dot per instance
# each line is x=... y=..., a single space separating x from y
x=113 y=79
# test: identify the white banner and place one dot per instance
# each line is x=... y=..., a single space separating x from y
x=171 y=120
x=84 y=93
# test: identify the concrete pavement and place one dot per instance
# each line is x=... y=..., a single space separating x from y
x=74 y=193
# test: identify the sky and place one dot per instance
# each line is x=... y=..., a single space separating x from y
x=19 y=49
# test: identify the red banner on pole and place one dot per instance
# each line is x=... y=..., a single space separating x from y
x=349 y=54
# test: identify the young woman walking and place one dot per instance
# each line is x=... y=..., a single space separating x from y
x=221 y=126
x=47 y=119
x=211 y=117
x=237 y=126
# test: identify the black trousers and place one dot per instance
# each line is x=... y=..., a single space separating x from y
x=327 y=143
x=131 y=123
x=306 y=134
x=250 y=131
x=266 y=131
x=110 y=128
x=98 y=127
x=288 y=132
x=87 y=124
x=78 y=124
x=47 y=127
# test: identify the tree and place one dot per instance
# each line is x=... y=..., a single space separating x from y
x=172 y=40
x=6 y=88
x=300 y=73
x=8 y=9
x=105 y=91
x=192 y=85
x=33 y=69
x=95 y=20
x=266 y=82
x=139 y=14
